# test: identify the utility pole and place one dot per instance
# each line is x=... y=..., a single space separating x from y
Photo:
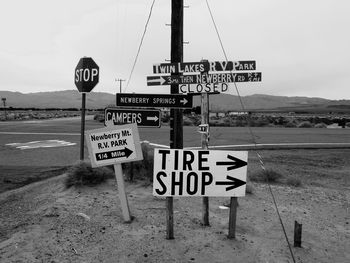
x=176 y=120
x=4 y=102
x=205 y=142
x=120 y=84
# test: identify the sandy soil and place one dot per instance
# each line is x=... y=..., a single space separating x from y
x=45 y=222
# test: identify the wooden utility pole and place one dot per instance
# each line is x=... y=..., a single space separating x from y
x=120 y=84
x=205 y=143
x=176 y=120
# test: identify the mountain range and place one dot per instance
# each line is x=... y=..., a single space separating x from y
x=220 y=102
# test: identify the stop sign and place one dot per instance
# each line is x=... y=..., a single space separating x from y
x=86 y=74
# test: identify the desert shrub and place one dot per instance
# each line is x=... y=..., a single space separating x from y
x=165 y=118
x=260 y=122
x=187 y=121
x=100 y=117
x=290 y=124
x=293 y=181
x=268 y=175
x=141 y=169
x=83 y=174
x=305 y=124
x=320 y=125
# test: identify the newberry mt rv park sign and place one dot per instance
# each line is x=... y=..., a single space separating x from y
x=86 y=74
x=154 y=100
x=180 y=172
x=113 y=145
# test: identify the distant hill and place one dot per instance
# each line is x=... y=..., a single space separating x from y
x=57 y=99
x=220 y=102
x=223 y=102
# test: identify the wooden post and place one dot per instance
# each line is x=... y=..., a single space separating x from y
x=204 y=142
x=297 y=234
x=176 y=125
x=232 y=218
x=122 y=194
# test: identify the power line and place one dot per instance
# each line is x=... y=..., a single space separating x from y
x=141 y=42
x=253 y=138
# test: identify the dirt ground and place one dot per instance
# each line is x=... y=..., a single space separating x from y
x=46 y=222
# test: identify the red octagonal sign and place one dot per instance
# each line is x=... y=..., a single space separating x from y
x=86 y=74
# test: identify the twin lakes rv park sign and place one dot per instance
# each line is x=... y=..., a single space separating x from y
x=203 y=81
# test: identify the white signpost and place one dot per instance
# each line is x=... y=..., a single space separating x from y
x=115 y=145
x=199 y=173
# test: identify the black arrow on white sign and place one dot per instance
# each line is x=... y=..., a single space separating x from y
x=126 y=152
x=235 y=163
x=232 y=183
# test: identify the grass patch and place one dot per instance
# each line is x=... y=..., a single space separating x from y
x=83 y=174
x=268 y=175
x=12 y=177
x=292 y=181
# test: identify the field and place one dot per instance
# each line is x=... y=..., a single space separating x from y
x=47 y=222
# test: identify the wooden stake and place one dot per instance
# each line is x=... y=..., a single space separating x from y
x=232 y=218
x=170 y=218
x=122 y=194
x=297 y=234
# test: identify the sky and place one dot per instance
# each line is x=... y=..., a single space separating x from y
x=300 y=46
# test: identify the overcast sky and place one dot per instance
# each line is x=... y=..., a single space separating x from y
x=300 y=46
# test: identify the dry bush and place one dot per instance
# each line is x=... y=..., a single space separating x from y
x=293 y=182
x=268 y=175
x=320 y=125
x=83 y=174
x=305 y=124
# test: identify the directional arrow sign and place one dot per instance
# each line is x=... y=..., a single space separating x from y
x=114 y=144
x=188 y=67
x=180 y=172
x=232 y=183
x=126 y=152
x=205 y=78
x=234 y=163
x=145 y=118
x=154 y=100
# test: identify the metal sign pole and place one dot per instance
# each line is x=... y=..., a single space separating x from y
x=83 y=99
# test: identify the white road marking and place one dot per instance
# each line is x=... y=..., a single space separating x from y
x=41 y=144
x=38 y=133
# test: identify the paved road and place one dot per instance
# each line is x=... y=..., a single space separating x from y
x=67 y=131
